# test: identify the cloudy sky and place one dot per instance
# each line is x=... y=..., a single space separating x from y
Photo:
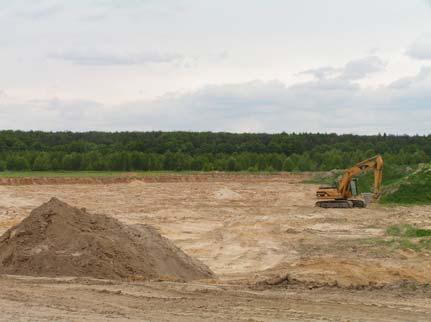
x=342 y=66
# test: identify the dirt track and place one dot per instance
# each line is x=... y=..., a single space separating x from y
x=248 y=230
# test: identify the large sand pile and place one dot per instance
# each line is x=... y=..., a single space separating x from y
x=59 y=240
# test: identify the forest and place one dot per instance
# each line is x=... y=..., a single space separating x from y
x=202 y=151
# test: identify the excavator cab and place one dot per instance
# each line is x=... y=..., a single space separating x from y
x=354 y=187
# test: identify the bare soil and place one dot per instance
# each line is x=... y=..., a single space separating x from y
x=276 y=256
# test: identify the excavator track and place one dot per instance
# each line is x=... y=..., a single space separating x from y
x=358 y=204
x=340 y=204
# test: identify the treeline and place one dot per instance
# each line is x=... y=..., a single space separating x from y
x=203 y=151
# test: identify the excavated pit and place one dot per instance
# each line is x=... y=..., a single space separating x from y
x=57 y=239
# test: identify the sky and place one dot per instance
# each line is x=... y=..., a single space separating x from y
x=342 y=66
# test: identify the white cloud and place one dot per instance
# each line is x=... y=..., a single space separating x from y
x=111 y=57
x=353 y=70
x=321 y=72
x=34 y=10
x=421 y=48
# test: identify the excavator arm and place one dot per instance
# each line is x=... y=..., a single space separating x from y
x=375 y=163
x=341 y=196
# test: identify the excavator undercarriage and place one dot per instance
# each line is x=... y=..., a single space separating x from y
x=341 y=203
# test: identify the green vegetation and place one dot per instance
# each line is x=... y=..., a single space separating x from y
x=407 y=231
x=392 y=174
x=203 y=151
x=413 y=188
x=404 y=236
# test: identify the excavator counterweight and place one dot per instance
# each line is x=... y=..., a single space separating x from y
x=344 y=195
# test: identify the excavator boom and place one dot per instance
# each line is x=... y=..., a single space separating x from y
x=342 y=195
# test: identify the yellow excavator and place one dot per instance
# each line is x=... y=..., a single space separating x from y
x=346 y=194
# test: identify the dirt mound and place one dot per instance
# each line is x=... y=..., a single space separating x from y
x=348 y=272
x=59 y=240
x=228 y=194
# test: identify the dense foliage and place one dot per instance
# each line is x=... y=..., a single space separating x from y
x=202 y=151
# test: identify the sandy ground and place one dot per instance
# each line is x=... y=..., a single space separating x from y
x=251 y=231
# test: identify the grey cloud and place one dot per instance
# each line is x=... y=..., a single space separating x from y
x=320 y=73
x=93 y=17
x=55 y=115
x=106 y=58
x=221 y=56
x=422 y=76
x=323 y=105
x=43 y=12
x=34 y=10
x=135 y=9
x=353 y=70
x=327 y=105
x=421 y=48
x=124 y=4
x=358 y=69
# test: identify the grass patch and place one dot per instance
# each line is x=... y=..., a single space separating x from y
x=392 y=174
x=410 y=193
x=403 y=236
x=408 y=231
x=413 y=188
x=400 y=243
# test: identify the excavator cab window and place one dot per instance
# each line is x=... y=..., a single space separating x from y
x=354 y=187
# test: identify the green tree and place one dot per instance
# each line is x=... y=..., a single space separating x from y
x=137 y=161
x=2 y=165
x=42 y=162
x=72 y=161
x=17 y=163
x=231 y=164
x=276 y=162
x=118 y=161
x=288 y=164
x=197 y=163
